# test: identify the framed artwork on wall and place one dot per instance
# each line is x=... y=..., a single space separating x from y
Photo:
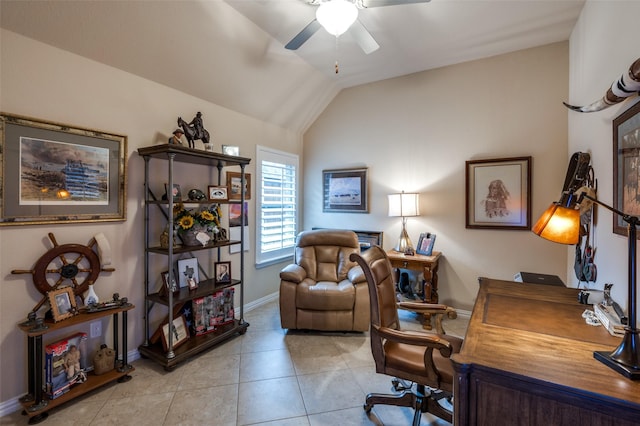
x=626 y=161
x=498 y=193
x=345 y=191
x=57 y=173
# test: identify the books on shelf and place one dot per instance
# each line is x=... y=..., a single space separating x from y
x=609 y=319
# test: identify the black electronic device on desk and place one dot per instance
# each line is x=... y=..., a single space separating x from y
x=535 y=278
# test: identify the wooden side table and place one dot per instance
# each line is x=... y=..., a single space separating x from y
x=428 y=265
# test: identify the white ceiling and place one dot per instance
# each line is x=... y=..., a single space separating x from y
x=232 y=52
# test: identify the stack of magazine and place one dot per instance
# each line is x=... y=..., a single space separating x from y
x=609 y=319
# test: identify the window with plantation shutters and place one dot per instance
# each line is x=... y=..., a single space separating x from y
x=276 y=205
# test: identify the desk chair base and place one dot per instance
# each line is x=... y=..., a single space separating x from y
x=422 y=400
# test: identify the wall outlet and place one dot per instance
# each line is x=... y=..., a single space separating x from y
x=96 y=329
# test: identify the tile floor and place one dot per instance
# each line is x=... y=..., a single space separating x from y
x=266 y=377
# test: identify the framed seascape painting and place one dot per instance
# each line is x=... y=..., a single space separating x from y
x=498 y=193
x=626 y=164
x=57 y=173
x=345 y=191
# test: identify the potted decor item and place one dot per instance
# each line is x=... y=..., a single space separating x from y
x=195 y=228
x=91 y=298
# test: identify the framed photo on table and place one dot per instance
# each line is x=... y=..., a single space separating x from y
x=626 y=161
x=425 y=244
x=63 y=303
x=345 y=191
x=498 y=193
x=58 y=173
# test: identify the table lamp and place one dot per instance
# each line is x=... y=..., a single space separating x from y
x=404 y=204
x=561 y=223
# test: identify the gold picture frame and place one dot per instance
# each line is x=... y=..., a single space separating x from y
x=233 y=182
x=63 y=303
x=41 y=162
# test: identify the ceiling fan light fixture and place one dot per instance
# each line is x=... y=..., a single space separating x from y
x=336 y=16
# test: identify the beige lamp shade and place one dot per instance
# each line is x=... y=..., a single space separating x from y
x=404 y=204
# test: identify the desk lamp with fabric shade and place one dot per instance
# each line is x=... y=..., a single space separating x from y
x=404 y=204
x=561 y=223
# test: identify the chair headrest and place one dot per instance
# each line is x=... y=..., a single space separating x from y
x=328 y=237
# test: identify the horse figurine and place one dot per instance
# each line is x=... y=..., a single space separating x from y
x=194 y=130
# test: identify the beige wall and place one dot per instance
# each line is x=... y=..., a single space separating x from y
x=603 y=45
x=43 y=82
x=415 y=133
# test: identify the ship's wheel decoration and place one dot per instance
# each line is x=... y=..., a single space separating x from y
x=73 y=265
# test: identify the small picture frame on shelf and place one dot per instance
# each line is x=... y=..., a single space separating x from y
x=165 y=281
x=63 y=303
x=231 y=150
x=188 y=274
x=223 y=272
x=175 y=192
x=179 y=330
x=234 y=183
x=218 y=193
x=425 y=244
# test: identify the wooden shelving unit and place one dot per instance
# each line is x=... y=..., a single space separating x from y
x=171 y=357
x=35 y=402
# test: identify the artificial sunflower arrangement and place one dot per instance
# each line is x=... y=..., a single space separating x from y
x=186 y=219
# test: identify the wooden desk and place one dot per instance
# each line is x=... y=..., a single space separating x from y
x=527 y=359
x=428 y=265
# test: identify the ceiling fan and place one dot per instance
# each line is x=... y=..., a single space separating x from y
x=338 y=16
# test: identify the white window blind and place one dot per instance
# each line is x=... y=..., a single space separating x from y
x=276 y=213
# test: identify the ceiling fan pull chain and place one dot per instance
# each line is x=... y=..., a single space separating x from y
x=337 y=68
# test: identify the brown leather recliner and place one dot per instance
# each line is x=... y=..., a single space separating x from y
x=323 y=289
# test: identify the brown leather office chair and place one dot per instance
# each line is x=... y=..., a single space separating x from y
x=415 y=356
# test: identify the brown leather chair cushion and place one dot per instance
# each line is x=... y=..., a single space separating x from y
x=326 y=295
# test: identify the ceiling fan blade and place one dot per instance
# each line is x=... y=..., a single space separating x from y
x=303 y=35
x=363 y=37
x=380 y=3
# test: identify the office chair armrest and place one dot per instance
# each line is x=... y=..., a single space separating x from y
x=293 y=273
x=428 y=308
x=415 y=338
x=356 y=275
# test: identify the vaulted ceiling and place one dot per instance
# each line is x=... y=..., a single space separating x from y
x=232 y=52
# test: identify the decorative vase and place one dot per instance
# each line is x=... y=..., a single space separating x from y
x=196 y=236
x=91 y=298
